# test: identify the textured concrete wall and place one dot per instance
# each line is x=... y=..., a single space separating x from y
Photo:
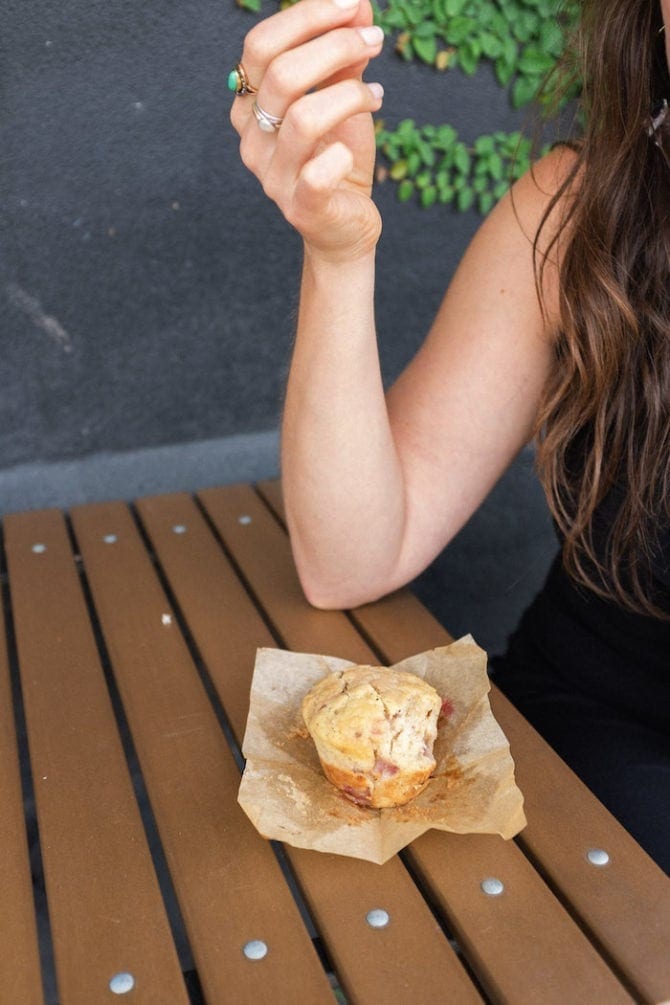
x=147 y=288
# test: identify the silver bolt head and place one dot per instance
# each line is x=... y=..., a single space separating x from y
x=492 y=887
x=110 y=539
x=378 y=918
x=245 y=519
x=597 y=856
x=39 y=548
x=122 y=983
x=255 y=950
x=179 y=528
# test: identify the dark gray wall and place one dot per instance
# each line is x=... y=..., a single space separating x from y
x=146 y=285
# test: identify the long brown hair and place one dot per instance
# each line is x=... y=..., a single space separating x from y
x=603 y=431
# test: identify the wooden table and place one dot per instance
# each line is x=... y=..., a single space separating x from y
x=132 y=631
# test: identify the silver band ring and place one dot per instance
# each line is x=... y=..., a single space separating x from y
x=268 y=123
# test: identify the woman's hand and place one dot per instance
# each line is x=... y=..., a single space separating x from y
x=307 y=63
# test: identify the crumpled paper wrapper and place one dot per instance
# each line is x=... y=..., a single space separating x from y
x=287 y=797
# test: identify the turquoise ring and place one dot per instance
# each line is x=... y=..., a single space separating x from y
x=238 y=82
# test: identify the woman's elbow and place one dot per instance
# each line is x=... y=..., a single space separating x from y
x=327 y=594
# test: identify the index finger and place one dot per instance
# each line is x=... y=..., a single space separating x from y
x=297 y=24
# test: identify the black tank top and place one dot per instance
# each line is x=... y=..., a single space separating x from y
x=582 y=642
x=571 y=638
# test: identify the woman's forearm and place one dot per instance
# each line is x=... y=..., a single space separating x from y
x=342 y=480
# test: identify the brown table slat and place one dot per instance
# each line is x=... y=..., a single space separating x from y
x=20 y=977
x=105 y=907
x=261 y=549
x=229 y=885
x=227 y=628
x=625 y=905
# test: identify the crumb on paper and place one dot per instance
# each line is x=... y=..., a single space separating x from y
x=298 y=733
x=294 y=792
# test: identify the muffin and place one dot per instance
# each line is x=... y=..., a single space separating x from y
x=374 y=730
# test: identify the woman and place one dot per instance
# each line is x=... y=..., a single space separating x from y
x=555 y=326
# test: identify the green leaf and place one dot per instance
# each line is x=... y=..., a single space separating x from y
x=425 y=48
x=534 y=62
x=392 y=18
x=445 y=138
x=491 y=45
x=461 y=158
x=438 y=11
x=428 y=196
x=509 y=143
x=524 y=90
x=427 y=29
x=496 y=166
x=465 y=199
x=485 y=202
x=468 y=59
x=484 y=145
x=459 y=29
x=504 y=71
x=454 y=7
x=406 y=130
x=427 y=153
x=525 y=25
x=413 y=163
x=405 y=190
x=551 y=38
x=398 y=170
x=510 y=50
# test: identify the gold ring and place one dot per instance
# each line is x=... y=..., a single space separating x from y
x=238 y=82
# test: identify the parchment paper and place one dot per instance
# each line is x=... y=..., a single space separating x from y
x=287 y=797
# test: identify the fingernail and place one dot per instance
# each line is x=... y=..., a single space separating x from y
x=346 y=3
x=377 y=90
x=372 y=35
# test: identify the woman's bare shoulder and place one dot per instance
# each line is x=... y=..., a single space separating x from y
x=533 y=222
x=542 y=196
